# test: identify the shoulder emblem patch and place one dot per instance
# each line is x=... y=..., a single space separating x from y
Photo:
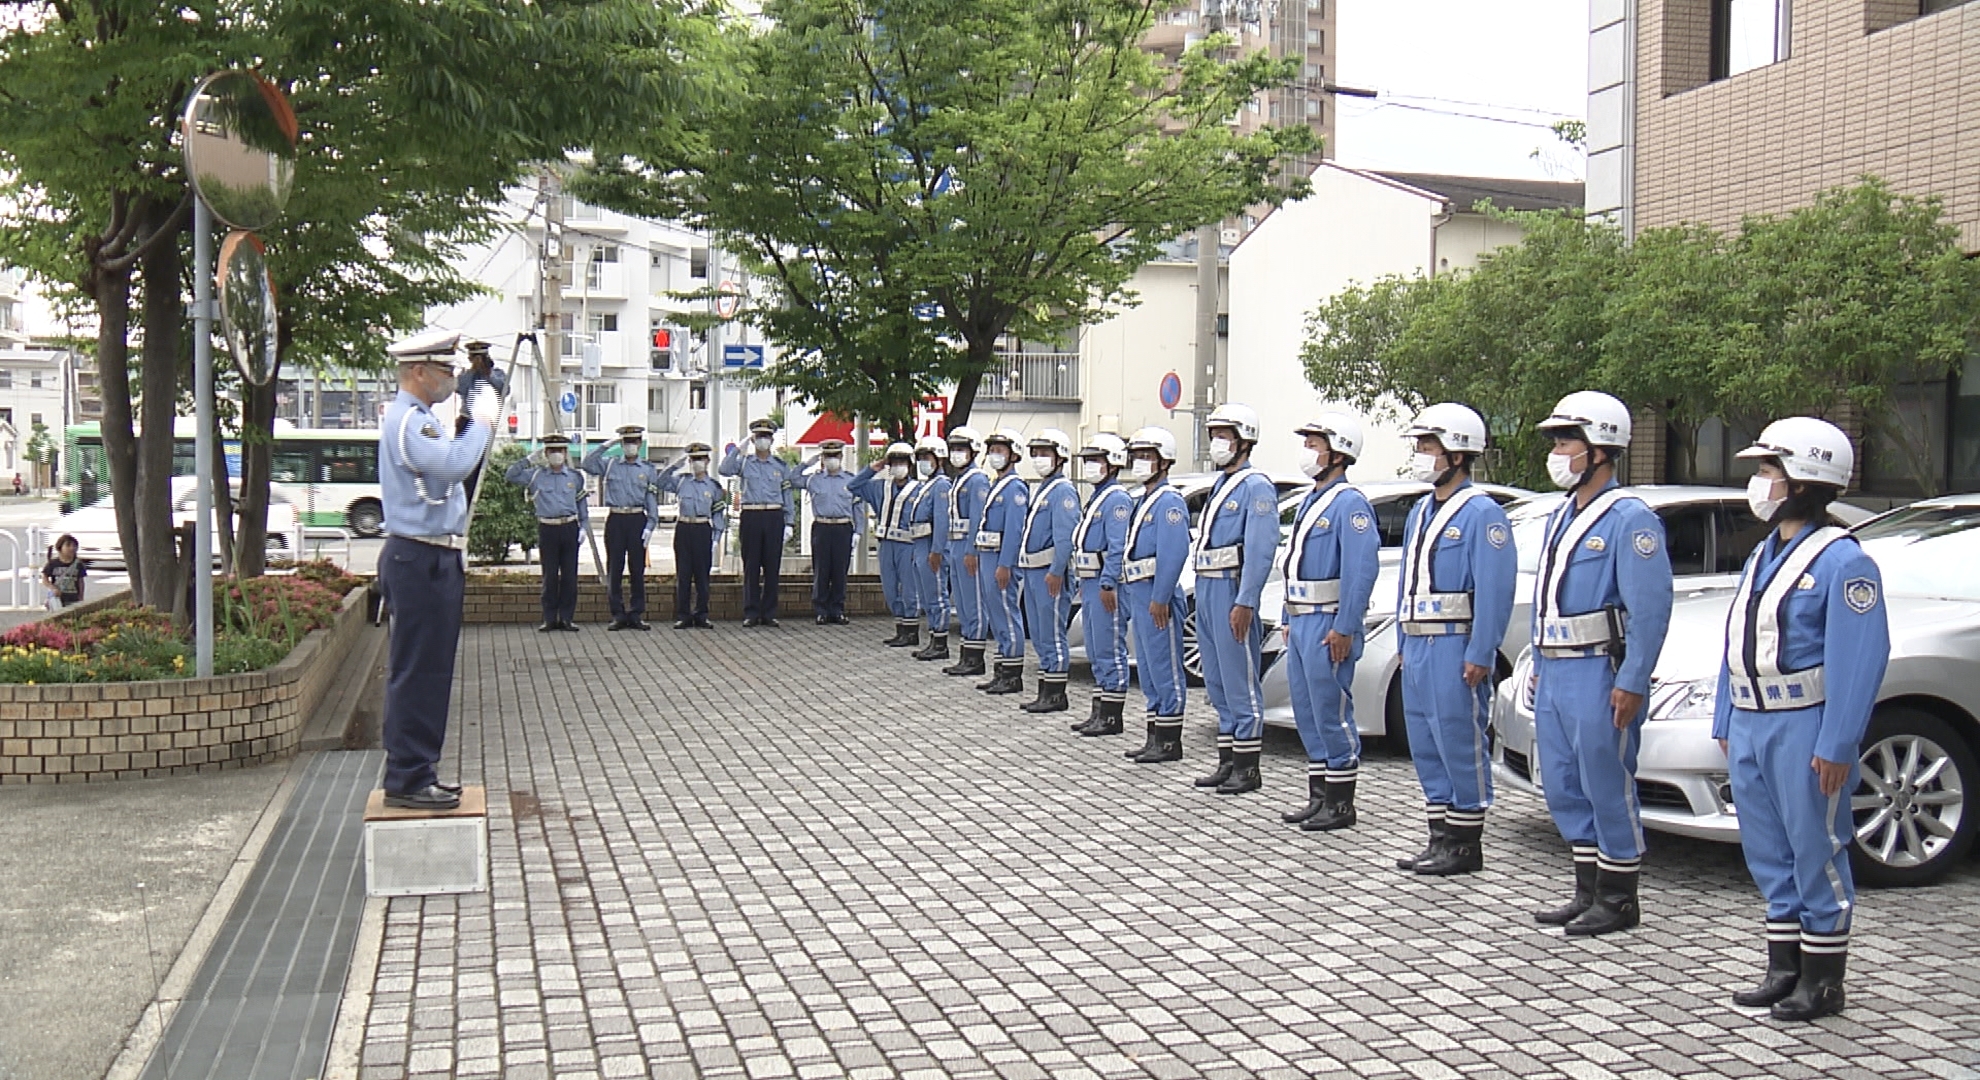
x=1860 y=594
x=1596 y=543
x=1069 y=503
x=1361 y=522
x=1175 y=516
x=1121 y=512
x=1645 y=542
x=1496 y=535
x=1262 y=506
x=1454 y=533
x=429 y=430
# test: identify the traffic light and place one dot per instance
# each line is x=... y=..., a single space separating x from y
x=667 y=343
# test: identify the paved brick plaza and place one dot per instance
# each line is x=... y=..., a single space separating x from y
x=797 y=854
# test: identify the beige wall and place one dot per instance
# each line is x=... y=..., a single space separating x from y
x=1865 y=90
x=1124 y=356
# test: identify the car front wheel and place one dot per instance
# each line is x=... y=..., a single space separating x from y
x=367 y=518
x=1192 y=648
x=1913 y=818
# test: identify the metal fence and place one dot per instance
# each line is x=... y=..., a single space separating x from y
x=1050 y=377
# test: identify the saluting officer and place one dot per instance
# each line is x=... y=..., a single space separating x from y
x=998 y=542
x=420 y=569
x=1043 y=557
x=1154 y=553
x=1330 y=573
x=888 y=489
x=1601 y=604
x=967 y=496
x=766 y=484
x=1807 y=643
x=696 y=495
x=562 y=515
x=1455 y=599
x=930 y=529
x=833 y=507
x=627 y=486
x=480 y=370
x=1098 y=544
x=1235 y=544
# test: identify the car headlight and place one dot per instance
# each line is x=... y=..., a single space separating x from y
x=1693 y=700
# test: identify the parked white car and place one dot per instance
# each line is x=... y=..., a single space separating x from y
x=95 y=526
x=1914 y=821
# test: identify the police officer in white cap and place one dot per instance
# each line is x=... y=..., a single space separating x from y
x=557 y=494
x=421 y=468
x=1807 y=642
x=628 y=483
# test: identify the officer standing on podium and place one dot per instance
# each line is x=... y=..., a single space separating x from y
x=562 y=518
x=420 y=570
x=696 y=495
x=766 y=485
x=627 y=484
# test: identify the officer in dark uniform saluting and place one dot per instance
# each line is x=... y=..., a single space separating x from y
x=697 y=494
x=562 y=517
x=627 y=486
x=481 y=369
x=420 y=570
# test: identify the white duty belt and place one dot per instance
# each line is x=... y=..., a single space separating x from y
x=1753 y=633
x=1308 y=596
x=993 y=539
x=1594 y=633
x=1426 y=613
x=1037 y=560
x=1139 y=569
x=891 y=507
x=1226 y=560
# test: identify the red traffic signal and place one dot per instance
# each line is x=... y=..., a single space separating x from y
x=663 y=338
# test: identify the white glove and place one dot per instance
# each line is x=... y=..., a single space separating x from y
x=787 y=534
x=646 y=537
x=485 y=404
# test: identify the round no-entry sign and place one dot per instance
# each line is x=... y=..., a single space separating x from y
x=728 y=300
x=1171 y=391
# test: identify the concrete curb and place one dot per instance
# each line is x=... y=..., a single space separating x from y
x=151 y=1024
x=347 y=1037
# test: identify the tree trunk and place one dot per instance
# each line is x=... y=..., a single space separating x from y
x=112 y=289
x=257 y=466
x=982 y=356
x=223 y=501
x=163 y=269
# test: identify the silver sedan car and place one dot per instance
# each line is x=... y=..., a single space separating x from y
x=1914 y=820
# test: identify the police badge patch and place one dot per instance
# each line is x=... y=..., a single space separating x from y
x=1860 y=594
x=1596 y=543
x=1175 y=516
x=1645 y=542
x=1070 y=502
x=1807 y=582
x=1323 y=523
x=1453 y=533
x=1231 y=505
x=1496 y=536
x=429 y=431
x=1361 y=522
x=1120 y=513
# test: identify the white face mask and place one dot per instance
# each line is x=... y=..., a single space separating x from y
x=924 y=469
x=1092 y=471
x=632 y=451
x=1141 y=468
x=997 y=459
x=1044 y=465
x=1310 y=463
x=1222 y=450
x=763 y=445
x=833 y=465
x=898 y=472
x=959 y=458
x=1424 y=467
x=556 y=458
x=1560 y=469
x=1760 y=498
x=699 y=465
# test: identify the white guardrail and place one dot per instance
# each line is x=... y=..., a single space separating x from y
x=24 y=589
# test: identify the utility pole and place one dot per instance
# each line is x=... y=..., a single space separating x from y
x=1208 y=237
x=551 y=308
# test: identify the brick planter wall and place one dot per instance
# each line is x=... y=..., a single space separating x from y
x=519 y=602
x=168 y=727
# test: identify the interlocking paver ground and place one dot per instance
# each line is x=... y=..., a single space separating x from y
x=795 y=853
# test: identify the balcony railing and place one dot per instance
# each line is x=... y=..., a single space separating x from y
x=1046 y=377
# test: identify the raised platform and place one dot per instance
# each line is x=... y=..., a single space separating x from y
x=426 y=852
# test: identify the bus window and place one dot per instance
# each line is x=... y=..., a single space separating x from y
x=289 y=464
x=348 y=462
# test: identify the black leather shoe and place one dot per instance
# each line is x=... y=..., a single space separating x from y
x=841 y=620
x=431 y=797
x=619 y=624
x=570 y=628
x=768 y=622
x=451 y=789
x=751 y=621
x=641 y=624
x=703 y=624
x=822 y=620
x=684 y=624
x=546 y=628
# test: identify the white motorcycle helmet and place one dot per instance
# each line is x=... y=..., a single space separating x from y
x=1603 y=420
x=1812 y=451
x=1456 y=427
x=1341 y=430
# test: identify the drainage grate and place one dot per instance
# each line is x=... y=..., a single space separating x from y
x=265 y=999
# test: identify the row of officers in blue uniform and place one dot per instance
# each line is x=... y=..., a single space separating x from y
x=966 y=541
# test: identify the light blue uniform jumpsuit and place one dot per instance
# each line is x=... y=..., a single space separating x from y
x=890 y=501
x=966 y=499
x=930 y=526
x=1339 y=543
x=1471 y=554
x=997 y=543
x=1241 y=514
x=1156 y=550
x=1796 y=840
x=1098 y=544
x=1588 y=768
x=1048 y=532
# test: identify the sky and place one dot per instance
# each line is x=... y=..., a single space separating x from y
x=1516 y=60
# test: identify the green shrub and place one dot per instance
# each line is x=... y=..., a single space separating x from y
x=236 y=653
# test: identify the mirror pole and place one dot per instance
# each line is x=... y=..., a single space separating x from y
x=203 y=435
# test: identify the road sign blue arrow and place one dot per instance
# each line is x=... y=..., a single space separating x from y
x=568 y=402
x=742 y=356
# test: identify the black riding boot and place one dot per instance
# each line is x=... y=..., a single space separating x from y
x=1226 y=760
x=1164 y=742
x=1244 y=777
x=909 y=635
x=971 y=661
x=1092 y=717
x=1440 y=831
x=1584 y=894
x=1109 y=721
x=1615 y=905
x=1461 y=853
x=1051 y=696
x=1783 y=967
x=1008 y=680
x=1339 y=811
x=1820 y=991
x=900 y=632
x=936 y=649
x=1316 y=800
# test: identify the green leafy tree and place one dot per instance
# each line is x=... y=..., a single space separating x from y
x=503 y=515
x=999 y=166
x=40 y=451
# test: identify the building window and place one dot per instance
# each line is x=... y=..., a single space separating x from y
x=567 y=342
x=34 y=420
x=1933 y=7
x=656 y=399
x=604 y=323
x=594 y=269
x=6 y=379
x=1313 y=37
x=1748 y=34
x=596 y=395
x=34 y=379
x=1313 y=108
x=1312 y=72
x=698 y=264
x=698 y=395
x=574 y=210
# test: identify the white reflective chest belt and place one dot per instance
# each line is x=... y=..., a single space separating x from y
x=1420 y=605
x=1229 y=557
x=993 y=539
x=1140 y=569
x=1753 y=628
x=891 y=507
x=1088 y=563
x=1561 y=635
x=1035 y=560
x=1320 y=593
x=958 y=521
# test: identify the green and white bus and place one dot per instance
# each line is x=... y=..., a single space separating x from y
x=332 y=472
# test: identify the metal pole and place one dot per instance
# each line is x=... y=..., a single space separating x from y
x=1207 y=239
x=203 y=436
x=552 y=312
